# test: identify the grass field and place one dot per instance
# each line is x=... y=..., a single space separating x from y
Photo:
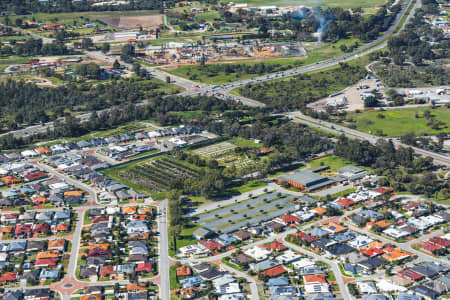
x=402 y=121
x=325 y=3
x=334 y=162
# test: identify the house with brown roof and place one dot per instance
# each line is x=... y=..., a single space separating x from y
x=316 y=278
x=183 y=271
x=190 y=292
x=48 y=254
x=275 y=246
x=129 y=210
x=136 y=287
x=402 y=281
x=394 y=254
x=91 y=297
x=107 y=271
x=275 y=271
x=242 y=235
x=8 y=277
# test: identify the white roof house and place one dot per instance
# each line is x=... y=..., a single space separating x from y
x=29 y=153
x=112 y=210
x=302 y=263
x=396 y=233
x=257 y=253
x=387 y=286
x=367 y=287
x=316 y=288
x=194 y=250
x=360 y=241
x=58 y=186
x=287 y=257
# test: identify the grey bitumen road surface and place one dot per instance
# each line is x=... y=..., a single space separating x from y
x=337 y=129
x=192 y=89
x=163 y=251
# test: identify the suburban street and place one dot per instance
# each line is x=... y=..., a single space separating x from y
x=163 y=251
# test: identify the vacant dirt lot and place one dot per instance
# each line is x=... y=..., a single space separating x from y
x=133 y=22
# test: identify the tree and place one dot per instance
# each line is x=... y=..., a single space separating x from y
x=18 y=22
x=370 y=101
x=105 y=47
x=86 y=43
x=116 y=64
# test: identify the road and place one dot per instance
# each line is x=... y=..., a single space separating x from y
x=76 y=183
x=163 y=251
x=223 y=91
x=334 y=267
x=375 y=45
x=298 y=117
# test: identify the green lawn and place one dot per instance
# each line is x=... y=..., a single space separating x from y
x=174 y=284
x=240 y=142
x=333 y=161
x=185 y=237
x=402 y=121
x=249 y=186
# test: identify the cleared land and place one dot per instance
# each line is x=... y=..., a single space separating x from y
x=402 y=121
x=133 y=22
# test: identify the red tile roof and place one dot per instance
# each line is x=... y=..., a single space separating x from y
x=22 y=228
x=183 y=271
x=411 y=274
x=11 y=276
x=317 y=278
x=106 y=271
x=276 y=271
x=289 y=219
x=382 y=190
x=41 y=228
x=99 y=253
x=372 y=252
x=211 y=245
x=274 y=246
x=440 y=241
x=35 y=176
x=100 y=219
x=46 y=262
x=345 y=202
x=431 y=247
x=305 y=236
x=144 y=267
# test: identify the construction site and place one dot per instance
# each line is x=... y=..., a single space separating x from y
x=218 y=49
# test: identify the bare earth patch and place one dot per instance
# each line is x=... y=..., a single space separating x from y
x=133 y=22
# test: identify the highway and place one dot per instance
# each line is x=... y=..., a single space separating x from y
x=375 y=45
x=223 y=91
x=298 y=117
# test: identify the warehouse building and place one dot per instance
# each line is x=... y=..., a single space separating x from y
x=306 y=180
